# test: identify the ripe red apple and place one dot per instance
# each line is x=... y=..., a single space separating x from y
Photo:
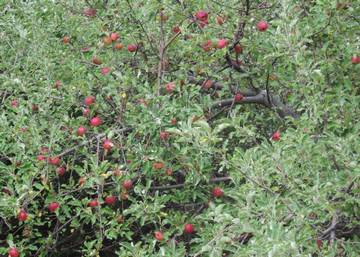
x=319 y=243
x=54 y=160
x=219 y=20
x=105 y=70
x=238 y=97
x=222 y=43
x=159 y=235
x=89 y=12
x=207 y=46
x=66 y=40
x=96 y=61
x=158 y=165
x=22 y=215
x=93 y=203
x=355 y=59
x=217 y=192
x=173 y=121
x=164 y=135
x=13 y=252
x=276 y=136
x=41 y=157
x=127 y=184
x=170 y=87
x=107 y=40
x=53 y=206
x=107 y=144
x=86 y=112
x=189 y=228
x=176 y=29
x=109 y=200
x=89 y=100
x=262 y=26
x=61 y=171
x=95 y=122
x=118 y=46
x=81 y=131
x=238 y=49
x=201 y=15
x=14 y=103
x=114 y=36
x=132 y=48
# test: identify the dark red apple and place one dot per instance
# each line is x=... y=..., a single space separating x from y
x=54 y=160
x=189 y=228
x=22 y=215
x=107 y=144
x=238 y=97
x=61 y=171
x=164 y=135
x=109 y=200
x=132 y=48
x=93 y=203
x=127 y=184
x=217 y=192
x=238 y=49
x=355 y=59
x=276 y=136
x=53 y=206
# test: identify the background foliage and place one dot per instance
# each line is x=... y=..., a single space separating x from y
x=298 y=196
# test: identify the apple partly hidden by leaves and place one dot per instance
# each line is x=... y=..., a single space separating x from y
x=96 y=60
x=355 y=59
x=110 y=200
x=238 y=49
x=107 y=144
x=54 y=160
x=89 y=100
x=217 y=192
x=164 y=135
x=114 y=36
x=61 y=171
x=222 y=43
x=22 y=215
x=86 y=112
x=93 y=203
x=238 y=97
x=13 y=252
x=159 y=235
x=276 y=136
x=127 y=184
x=176 y=29
x=53 y=206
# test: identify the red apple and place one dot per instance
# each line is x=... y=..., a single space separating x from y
x=276 y=136
x=105 y=70
x=238 y=49
x=14 y=103
x=262 y=26
x=207 y=46
x=355 y=59
x=176 y=29
x=109 y=200
x=238 y=97
x=159 y=235
x=170 y=87
x=95 y=122
x=107 y=144
x=114 y=36
x=13 y=252
x=81 y=131
x=164 y=135
x=22 y=215
x=201 y=15
x=173 y=121
x=96 y=61
x=217 y=192
x=41 y=157
x=61 y=171
x=93 y=203
x=54 y=160
x=127 y=184
x=53 y=206
x=86 y=112
x=89 y=100
x=189 y=228
x=222 y=43
x=132 y=48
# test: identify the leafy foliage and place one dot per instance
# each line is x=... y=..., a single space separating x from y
x=175 y=129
